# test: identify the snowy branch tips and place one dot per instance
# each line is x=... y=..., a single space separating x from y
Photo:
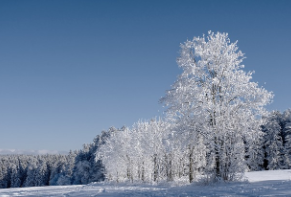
x=215 y=98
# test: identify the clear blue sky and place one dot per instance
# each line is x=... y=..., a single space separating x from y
x=70 y=69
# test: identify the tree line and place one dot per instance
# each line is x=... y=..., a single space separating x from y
x=149 y=152
x=141 y=154
x=77 y=167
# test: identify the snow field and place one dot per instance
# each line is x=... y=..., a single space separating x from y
x=262 y=183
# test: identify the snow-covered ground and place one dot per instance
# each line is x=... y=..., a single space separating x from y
x=263 y=183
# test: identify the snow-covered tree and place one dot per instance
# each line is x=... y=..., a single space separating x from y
x=15 y=175
x=273 y=144
x=110 y=154
x=286 y=135
x=215 y=98
x=277 y=140
x=41 y=174
x=31 y=179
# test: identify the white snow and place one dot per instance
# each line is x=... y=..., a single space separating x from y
x=272 y=175
x=263 y=183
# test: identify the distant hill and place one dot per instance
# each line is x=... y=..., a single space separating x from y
x=30 y=152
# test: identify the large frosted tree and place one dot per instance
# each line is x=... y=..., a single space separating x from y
x=215 y=99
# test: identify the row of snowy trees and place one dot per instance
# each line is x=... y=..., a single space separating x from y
x=212 y=126
x=151 y=152
x=147 y=152
x=78 y=167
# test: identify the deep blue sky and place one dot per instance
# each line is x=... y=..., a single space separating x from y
x=70 y=69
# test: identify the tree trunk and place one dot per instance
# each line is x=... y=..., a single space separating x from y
x=155 y=168
x=191 y=165
x=217 y=158
x=128 y=168
x=169 y=168
x=142 y=172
